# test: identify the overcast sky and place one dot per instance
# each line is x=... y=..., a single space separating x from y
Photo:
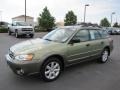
x=58 y=8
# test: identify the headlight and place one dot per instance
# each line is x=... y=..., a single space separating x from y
x=27 y=57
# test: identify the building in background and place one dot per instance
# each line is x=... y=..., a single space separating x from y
x=4 y=24
x=29 y=19
x=59 y=24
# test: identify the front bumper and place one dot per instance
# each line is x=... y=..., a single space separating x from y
x=25 y=33
x=23 y=67
x=20 y=32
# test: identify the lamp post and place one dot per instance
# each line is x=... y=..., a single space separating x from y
x=85 y=11
x=25 y=10
x=1 y=16
x=112 y=17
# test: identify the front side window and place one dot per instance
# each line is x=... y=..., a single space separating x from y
x=82 y=36
x=14 y=24
x=94 y=34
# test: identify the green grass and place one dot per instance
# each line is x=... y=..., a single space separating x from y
x=3 y=30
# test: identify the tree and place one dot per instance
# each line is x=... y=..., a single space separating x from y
x=104 y=22
x=46 y=20
x=70 y=18
x=116 y=25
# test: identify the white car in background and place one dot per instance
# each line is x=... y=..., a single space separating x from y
x=118 y=30
x=21 y=28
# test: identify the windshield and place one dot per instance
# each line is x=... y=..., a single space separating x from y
x=21 y=24
x=59 y=35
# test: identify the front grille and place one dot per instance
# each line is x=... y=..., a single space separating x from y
x=11 y=54
x=27 y=29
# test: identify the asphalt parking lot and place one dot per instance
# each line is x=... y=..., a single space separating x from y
x=85 y=76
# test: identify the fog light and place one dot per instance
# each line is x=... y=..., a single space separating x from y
x=20 y=72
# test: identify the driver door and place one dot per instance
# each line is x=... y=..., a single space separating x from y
x=79 y=50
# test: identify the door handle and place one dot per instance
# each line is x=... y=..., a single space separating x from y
x=87 y=45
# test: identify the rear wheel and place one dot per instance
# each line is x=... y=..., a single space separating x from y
x=51 y=69
x=104 y=56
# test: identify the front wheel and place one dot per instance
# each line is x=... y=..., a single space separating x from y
x=16 y=34
x=9 y=32
x=51 y=69
x=31 y=35
x=104 y=56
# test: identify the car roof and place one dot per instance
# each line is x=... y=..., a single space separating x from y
x=19 y=22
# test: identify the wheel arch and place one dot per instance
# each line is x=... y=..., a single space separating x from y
x=107 y=47
x=61 y=58
x=16 y=30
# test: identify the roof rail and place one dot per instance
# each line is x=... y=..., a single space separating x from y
x=89 y=25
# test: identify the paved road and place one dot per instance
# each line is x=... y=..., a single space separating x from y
x=84 y=76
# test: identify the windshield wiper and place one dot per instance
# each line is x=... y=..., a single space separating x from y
x=48 y=39
x=51 y=40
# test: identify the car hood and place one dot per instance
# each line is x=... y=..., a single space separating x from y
x=31 y=45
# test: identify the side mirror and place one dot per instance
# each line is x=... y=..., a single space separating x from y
x=74 y=41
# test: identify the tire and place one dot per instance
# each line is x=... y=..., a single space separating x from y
x=16 y=34
x=104 y=56
x=31 y=35
x=51 y=69
x=9 y=32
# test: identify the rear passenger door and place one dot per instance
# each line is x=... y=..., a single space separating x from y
x=96 y=42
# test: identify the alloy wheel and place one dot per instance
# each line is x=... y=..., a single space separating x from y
x=105 y=56
x=52 y=70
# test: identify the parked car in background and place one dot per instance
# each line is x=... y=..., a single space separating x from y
x=58 y=49
x=20 y=28
x=109 y=30
x=117 y=31
x=113 y=30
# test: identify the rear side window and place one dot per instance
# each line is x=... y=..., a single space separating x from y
x=94 y=34
x=104 y=33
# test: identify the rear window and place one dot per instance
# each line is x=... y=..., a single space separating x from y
x=94 y=34
x=104 y=33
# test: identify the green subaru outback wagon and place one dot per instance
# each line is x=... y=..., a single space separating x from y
x=58 y=49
